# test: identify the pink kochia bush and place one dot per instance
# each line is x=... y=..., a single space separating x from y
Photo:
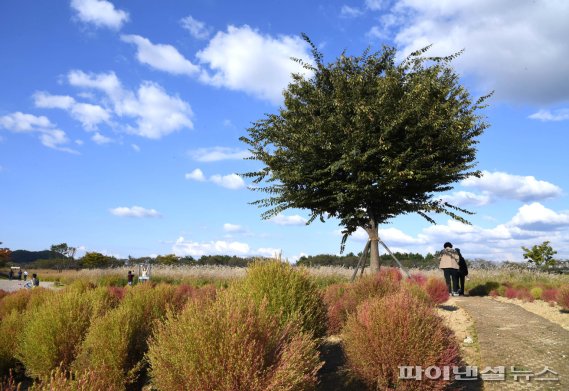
x=563 y=297
x=549 y=295
x=342 y=299
x=232 y=344
x=397 y=330
x=437 y=290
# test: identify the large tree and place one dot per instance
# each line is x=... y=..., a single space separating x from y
x=364 y=139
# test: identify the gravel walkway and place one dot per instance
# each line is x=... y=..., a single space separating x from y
x=509 y=336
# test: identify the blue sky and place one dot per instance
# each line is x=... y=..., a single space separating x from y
x=119 y=121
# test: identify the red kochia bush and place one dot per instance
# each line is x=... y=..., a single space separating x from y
x=511 y=293
x=343 y=299
x=437 y=290
x=398 y=330
x=563 y=297
x=549 y=295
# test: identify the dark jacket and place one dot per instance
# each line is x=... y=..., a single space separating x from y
x=462 y=267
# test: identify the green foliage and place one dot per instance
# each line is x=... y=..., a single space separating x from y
x=536 y=292
x=563 y=297
x=116 y=343
x=233 y=344
x=54 y=330
x=10 y=328
x=290 y=293
x=540 y=254
x=5 y=254
x=364 y=139
x=97 y=260
x=395 y=330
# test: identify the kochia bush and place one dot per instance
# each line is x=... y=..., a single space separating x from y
x=437 y=290
x=563 y=297
x=233 y=344
x=396 y=330
x=289 y=292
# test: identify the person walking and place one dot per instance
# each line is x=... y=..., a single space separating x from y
x=462 y=272
x=130 y=277
x=25 y=275
x=448 y=262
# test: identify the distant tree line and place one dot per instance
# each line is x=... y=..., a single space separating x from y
x=408 y=260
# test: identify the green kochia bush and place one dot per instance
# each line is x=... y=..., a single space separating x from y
x=290 y=292
x=53 y=331
x=397 y=330
x=115 y=345
x=233 y=344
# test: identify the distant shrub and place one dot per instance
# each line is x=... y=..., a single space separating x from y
x=418 y=279
x=524 y=294
x=391 y=273
x=115 y=345
x=536 y=292
x=397 y=330
x=563 y=297
x=419 y=293
x=549 y=295
x=290 y=292
x=185 y=293
x=375 y=285
x=54 y=330
x=232 y=344
x=437 y=290
x=494 y=293
x=511 y=293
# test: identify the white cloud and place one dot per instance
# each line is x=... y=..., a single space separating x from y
x=281 y=219
x=47 y=132
x=350 y=12
x=516 y=48
x=243 y=59
x=183 y=247
x=537 y=217
x=215 y=154
x=156 y=113
x=374 y=5
x=197 y=29
x=233 y=228
x=196 y=175
x=162 y=57
x=551 y=115
x=101 y=13
x=464 y=198
x=231 y=181
x=135 y=147
x=524 y=188
x=88 y=114
x=98 y=138
x=134 y=211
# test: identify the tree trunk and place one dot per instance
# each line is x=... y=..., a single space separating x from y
x=372 y=232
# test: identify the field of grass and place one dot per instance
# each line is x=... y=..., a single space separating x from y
x=260 y=328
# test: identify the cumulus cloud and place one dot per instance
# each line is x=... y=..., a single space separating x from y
x=134 y=211
x=281 y=219
x=100 y=13
x=162 y=57
x=155 y=113
x=551 y=115
x=231 y=181
x=183 y=247
x=196 y=175
x=215 y=154
x=48 y=134
x=537 y=217
x=465 y=198
x=197 y=29
x=245 y=60
x=516 y=48
x=374 y=5
x=98 y=138
x=88 y=114
x=524 y=188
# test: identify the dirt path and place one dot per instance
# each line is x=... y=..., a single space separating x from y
x=14 y=285
x=508 y=335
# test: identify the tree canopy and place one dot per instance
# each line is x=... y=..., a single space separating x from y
x=365 y=139
x=540 y=254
